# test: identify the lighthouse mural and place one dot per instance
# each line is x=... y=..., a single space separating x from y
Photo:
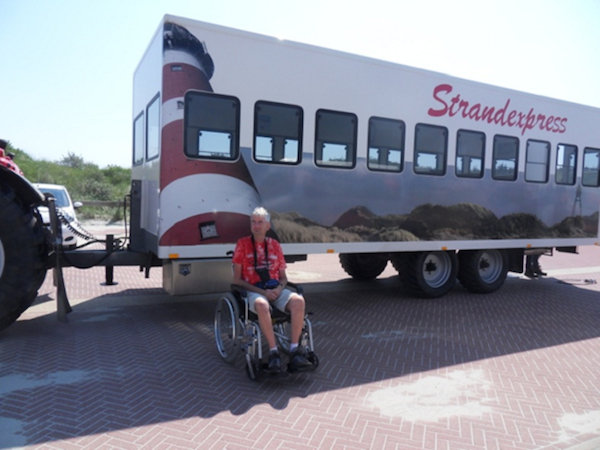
x=201 y=202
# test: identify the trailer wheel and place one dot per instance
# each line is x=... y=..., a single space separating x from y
x=363 y=266
x=22 y=256
x=482 y=271
x=427 y=274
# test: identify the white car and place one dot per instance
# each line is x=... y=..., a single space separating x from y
x=66 y=207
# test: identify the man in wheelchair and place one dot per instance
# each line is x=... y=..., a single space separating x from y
x=259 y=267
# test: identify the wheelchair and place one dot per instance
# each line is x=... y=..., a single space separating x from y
x=237 y=331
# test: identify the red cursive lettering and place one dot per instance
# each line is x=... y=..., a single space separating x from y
x=504 y=116
x=440 y=89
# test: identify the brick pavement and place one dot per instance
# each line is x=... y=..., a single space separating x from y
x=136 y=369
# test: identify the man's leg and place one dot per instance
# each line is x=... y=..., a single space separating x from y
x=296 y=307
x=263 y=311
x=262 y=308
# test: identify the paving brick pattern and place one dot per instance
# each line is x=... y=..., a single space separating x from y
x=136 y=369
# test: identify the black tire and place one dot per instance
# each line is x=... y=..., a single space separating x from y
x=482 y=271
x=23 y=253
x=427 y=274
x=313 y=359
x=363 y=266
x=396 y=261
x=226 y=327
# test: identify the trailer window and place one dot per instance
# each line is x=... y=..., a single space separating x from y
x=431 y=145
x=153 y=128
x=537 y=158
x=566 y=164
x=386 y=144
x=505 y=159
x=470 y=154
x=277 y=133
x=138 y=140
x=591 y=167
x=335 y=143
x=211 y=124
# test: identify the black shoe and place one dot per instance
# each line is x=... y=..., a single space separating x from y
x=298 y=359
x=539 y=272
x=274 y=366
x=530 y=273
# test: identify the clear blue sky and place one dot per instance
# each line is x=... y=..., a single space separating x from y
x=67 y=65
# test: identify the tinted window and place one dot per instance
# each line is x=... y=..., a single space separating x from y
x=277 y=133
x=537 y=158
x=431 y=144
x=153 y=128
x=591 y=167
x=566 y=164
x=335 y=144
x=505 y=159
x=138 y=140
x=470 y=153
x=386 y=144
x=211 y=126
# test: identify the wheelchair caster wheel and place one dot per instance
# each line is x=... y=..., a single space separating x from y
x=313 y=359
x=253 y=367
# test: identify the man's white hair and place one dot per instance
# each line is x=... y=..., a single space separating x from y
x=262 y=212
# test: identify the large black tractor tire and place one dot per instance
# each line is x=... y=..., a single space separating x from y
x=482 y=271
x=427 y=274
x=363 y=266
x=23 y=253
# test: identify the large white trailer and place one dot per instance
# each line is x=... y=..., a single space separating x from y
x=352 y=155
x=365 y=158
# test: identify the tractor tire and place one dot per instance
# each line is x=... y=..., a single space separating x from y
x=23 y=251
x=363 y=266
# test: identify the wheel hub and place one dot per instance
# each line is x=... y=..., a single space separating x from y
x=430 y=266
x=484 y=264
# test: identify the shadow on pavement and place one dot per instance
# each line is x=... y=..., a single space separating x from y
x=116 y=367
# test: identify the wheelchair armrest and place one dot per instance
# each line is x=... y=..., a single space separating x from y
x=236 y=288
x=295 y=287
x=243 y=292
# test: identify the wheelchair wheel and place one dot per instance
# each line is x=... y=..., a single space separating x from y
x=226 y=327
x=253 y=367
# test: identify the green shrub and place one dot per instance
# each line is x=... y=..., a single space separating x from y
x=84 y=180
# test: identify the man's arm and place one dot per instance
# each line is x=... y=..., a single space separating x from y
x=282 y=279
x=238 y=280
x=269 y=294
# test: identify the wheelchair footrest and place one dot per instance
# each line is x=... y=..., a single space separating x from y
x=312 y=359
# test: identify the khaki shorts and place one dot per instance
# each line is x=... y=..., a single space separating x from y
x=280 y=303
